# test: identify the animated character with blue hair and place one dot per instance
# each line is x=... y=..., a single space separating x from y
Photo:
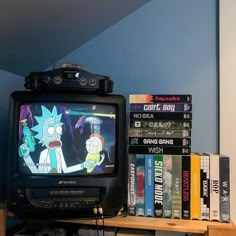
x=51 y=160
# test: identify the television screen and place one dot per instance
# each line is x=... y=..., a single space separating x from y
x=66 y=138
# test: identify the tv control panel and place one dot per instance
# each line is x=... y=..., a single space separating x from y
x=66 y=199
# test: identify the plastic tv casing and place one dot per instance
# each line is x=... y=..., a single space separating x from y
x=66 y=195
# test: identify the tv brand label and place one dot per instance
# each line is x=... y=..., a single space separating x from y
x=67 y=182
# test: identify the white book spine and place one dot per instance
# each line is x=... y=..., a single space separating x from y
x=214 y=188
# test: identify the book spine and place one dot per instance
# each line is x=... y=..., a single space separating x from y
x=155 y=98
x=186 y=179
x=131 y=203
x=195 y=187
x=137 y=132
x=160 y=141
x=149 y=186
x=214 y=188
x=224 y=188
x=167 y=186
x=140 y=182
x=161 y=115
x=159 y=149
x=158 y=185
x=176 y=186
x=157 y=124
x=160 y=107
x=205 y=187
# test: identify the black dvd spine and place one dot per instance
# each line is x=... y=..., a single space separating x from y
x=159 y=149
x=160 y=141
x=160 y=107
x=160 y=124
x=186 y=161
x=161 y=115
x=141 y=132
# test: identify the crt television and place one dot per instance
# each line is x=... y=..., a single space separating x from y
x=67 y=154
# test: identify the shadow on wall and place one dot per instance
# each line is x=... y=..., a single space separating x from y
x=8 y=83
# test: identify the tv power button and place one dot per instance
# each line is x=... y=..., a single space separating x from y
x=57 y=80
x=83 y=81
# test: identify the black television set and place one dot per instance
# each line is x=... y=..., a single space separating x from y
x=67 y=154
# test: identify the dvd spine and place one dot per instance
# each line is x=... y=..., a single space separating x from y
x=195 y=187
x=157 y=124
x=224 y=188
x=176 y=186
x=159 y=149
x=158 y=185
x=155 y=98
x=160 y=141
x=186 y=178
x=214 y=188
x=205 y=187
x=149 y=186
x=167 y=186
x=151 y=133
x=160 y=107
x=131 y=204
x=161 y=115
x=140 y=182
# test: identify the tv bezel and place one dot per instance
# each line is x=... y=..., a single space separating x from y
x=115 y=180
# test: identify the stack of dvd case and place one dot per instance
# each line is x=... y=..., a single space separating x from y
x=159 y=137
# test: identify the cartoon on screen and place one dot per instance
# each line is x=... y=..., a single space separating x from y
x=65 y=141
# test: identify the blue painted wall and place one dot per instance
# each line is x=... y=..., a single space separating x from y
x=8 y=83
x=166 y=46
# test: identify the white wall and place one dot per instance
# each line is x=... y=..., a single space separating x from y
x=228 y=89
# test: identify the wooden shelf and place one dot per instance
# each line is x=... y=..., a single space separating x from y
x=151 y=223
x=219 y=230
x=2 y=222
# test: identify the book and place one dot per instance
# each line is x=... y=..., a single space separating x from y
x=147 y=133
x=195 y=187
x=159 y=149
x=205 y=186
x=160 y=141
x=131 y=201
x=176 y=186
x=167 y=186
x=161 y=115
x=140 y=182
x=149 y=186
x=160 y=124
x=186 y=179
x=160 y=107
x=214 y=187
x=157 y=98
x=158 y=185
x=224 y=188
